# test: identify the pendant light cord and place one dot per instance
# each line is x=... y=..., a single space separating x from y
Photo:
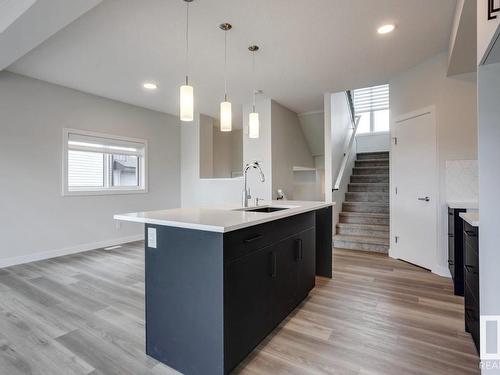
x=187 y=42
x=225 y=65
x=253 y=78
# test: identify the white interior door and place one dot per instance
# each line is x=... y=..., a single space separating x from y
x=414 y=193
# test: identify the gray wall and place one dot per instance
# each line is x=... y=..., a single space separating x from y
x=456 y=110
x=289 y=148
x=198 y=191
x=206 y=146
x=237 y=150
x=313 y=128
x=35 y=220
x=227 y=152
x=221 y=153
x=489 y=182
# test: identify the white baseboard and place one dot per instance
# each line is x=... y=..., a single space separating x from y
x=436 y=269
x=12 y=261
x=441 y=271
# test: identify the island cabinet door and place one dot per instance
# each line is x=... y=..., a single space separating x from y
x=248 y=287
x=287 y=257
x=306 y=263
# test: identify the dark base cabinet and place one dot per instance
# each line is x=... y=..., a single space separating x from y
x=455 y=249
x=255 y=305
x=471 y=276
x=212 y=297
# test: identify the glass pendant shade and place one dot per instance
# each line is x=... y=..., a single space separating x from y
x=187 y=100
x=253 y=125
x=225 y=117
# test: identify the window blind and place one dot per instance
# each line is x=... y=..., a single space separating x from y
x=85 y=169
x=81 y=142
x=371 y=99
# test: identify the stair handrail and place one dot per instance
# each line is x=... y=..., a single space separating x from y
x=347 y=153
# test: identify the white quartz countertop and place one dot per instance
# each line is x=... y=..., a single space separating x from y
x=471 y=217
x=463 y=204
x=221 y=218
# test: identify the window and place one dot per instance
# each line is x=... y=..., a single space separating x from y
x=102 y=164
x=372 y=104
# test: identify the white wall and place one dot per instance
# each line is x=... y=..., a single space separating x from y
x=289 y=148
x=36 y=221
x=338 y=127
x=373 y=142
x=455 y=101
x=489 y=182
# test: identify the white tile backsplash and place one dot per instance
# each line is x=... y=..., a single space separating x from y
x=462 y=180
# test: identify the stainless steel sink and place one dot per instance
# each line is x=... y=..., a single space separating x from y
x=267 y=209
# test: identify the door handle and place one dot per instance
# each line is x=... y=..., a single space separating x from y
x=300 y=249
x=426 y=199
x=252 y=239
x=470 y=233
x=297 y=249
x=274 y=266
x=470 y=268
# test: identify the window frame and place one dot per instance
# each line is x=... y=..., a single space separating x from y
x=142 y=167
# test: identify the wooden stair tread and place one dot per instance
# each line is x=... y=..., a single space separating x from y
x=382 y=228
x=367 y=214
x=369 y=183
x=384 y=204
x=362 y=239
x=369 y=160
x=370 y=175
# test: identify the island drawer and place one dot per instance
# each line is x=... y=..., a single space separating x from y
x=241 y=242
x=471 y=236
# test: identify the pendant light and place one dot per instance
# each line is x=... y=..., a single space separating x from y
x=186 y=91
x=225 y=106
x=253 y=118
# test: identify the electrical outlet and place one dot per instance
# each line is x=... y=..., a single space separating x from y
x=152 y=238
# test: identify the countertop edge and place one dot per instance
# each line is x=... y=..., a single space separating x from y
x=471 y=218
x=220 y=229
x=463 y=204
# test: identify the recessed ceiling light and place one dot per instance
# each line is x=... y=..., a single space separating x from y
x=150 y=85
x=384 y=29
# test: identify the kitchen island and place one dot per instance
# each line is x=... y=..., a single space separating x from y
x=219 y=280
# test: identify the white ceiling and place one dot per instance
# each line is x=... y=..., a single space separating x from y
x=11 y=10
x=28 y=23
x=308 y=47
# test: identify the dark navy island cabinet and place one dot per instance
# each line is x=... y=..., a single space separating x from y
x=455 y=249
x=471 y=285
x=212 y=297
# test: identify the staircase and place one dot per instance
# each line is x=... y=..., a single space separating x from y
x=364 y=220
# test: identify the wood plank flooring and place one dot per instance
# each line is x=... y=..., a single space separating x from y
x=84 y=314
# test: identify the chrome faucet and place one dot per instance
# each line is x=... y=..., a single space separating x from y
x=246 y=191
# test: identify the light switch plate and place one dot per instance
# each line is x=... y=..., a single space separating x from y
x=152 y=238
